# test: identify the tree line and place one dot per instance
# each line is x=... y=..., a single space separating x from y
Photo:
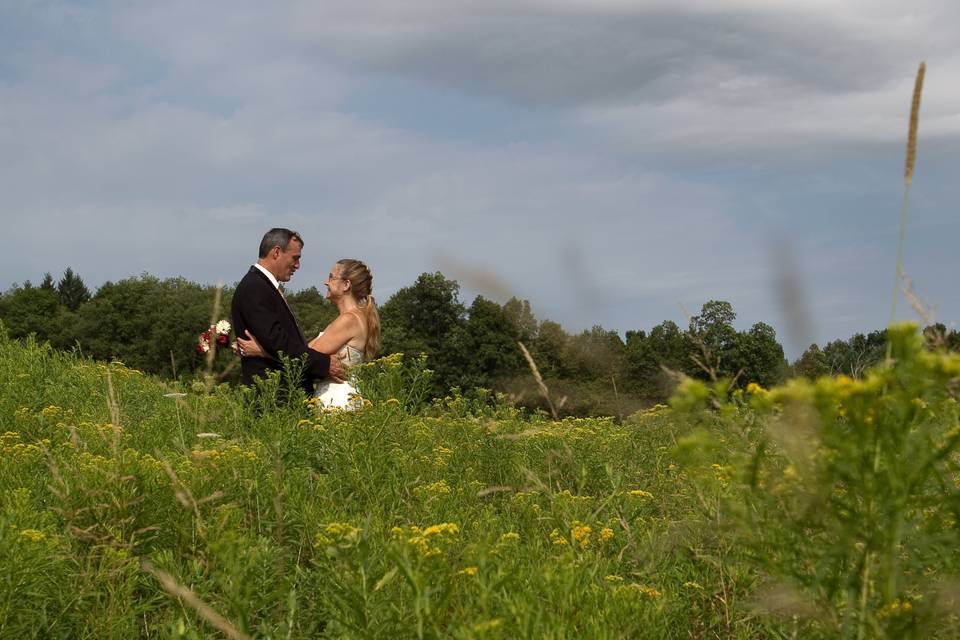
x=153 y=324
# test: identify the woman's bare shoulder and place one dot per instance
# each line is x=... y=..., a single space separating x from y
x=346 y=320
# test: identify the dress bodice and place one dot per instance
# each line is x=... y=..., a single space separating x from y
x=350 y=356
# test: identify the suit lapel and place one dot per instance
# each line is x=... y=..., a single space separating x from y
x=286 y=305
x=293 y=318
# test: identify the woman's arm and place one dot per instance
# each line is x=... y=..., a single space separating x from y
x=338 y=333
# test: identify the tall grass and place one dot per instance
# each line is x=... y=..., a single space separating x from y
x=814 y=510
x=909 y=164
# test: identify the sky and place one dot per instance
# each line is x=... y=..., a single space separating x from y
x=615 y=163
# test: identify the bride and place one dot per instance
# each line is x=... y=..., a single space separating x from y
x=354 y=335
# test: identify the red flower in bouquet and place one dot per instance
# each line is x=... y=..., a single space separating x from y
x=218 y=333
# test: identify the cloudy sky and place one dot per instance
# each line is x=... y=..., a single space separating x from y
x=613 y=162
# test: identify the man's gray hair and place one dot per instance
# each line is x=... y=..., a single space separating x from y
x=278 y=237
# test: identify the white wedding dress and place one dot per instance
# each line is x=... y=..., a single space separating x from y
x=340 y=395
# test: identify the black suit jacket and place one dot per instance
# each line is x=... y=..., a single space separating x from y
x=259 y=307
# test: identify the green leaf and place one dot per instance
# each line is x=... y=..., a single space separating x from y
x=386 y=579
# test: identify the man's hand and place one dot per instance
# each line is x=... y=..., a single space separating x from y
x=336 y=369
x=249 y=347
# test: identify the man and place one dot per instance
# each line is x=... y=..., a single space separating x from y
x=260 y=309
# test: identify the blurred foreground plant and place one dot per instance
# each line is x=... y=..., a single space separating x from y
x=846 y=490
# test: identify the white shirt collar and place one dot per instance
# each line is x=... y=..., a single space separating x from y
x=270 y=276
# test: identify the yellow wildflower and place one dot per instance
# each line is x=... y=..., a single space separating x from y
x=441 y=454
x=488 y=625
x=468 y=571
x=606 y=534
x=640 y=493
x=51 y=411
x=755 y=389
x=647 y=592
x=33 y=535
x=424 y=540
x=895 y=608
x=844 y=380
x=580 y=532
x=437 y=488
x=446 y=528
x=338 y=533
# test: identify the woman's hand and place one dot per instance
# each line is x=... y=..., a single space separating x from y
x=250 y=348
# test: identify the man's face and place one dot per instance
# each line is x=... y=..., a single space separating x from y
x=287 y=261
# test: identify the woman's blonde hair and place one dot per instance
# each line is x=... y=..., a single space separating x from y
x=361 y=284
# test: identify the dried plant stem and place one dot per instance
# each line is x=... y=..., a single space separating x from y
x=899 y=273
x=177 y=590
x=923 y=311
x=914 y=123
x=616 y=395
x=210 y=379
x=908 y=179
x=114 y=407
x=539 y=379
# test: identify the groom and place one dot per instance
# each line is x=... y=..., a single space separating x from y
x=260 y=309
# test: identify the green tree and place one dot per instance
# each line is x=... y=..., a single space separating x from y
x=47 y=282
x=759 y=356
x=518 y=312
x=142 y=321
x=597 y=354
x=812 y=363
x=856 y=354
x=487 y=347
x=312 y=309
x=666 y=347
x=426 y=317
x=747 y=356
x=549 y=349
x=714 y=339
x=35 y=310
x=72 y=291
x=938 y=336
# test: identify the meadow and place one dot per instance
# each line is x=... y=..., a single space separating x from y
x=135 y=507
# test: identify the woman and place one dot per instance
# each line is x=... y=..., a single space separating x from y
x=354 y=334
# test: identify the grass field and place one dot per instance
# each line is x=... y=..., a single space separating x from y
x=134 y=509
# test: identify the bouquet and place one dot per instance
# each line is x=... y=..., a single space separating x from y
x=218 y=334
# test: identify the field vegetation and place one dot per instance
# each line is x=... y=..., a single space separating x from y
x=132 y=506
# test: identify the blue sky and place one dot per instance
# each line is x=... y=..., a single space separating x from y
x=612 y=162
